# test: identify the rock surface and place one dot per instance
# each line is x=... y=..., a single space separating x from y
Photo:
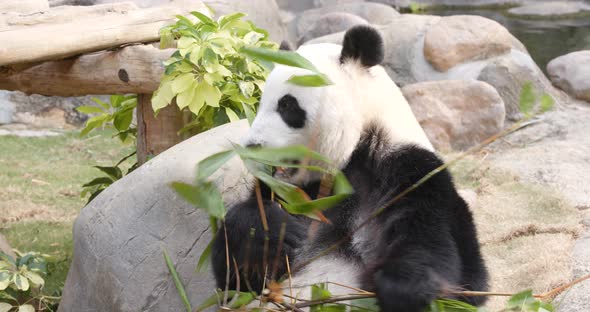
x=374 y=13
x=120 y=236
x=24 y=6
x=551 y=8
x=571 y=73
x=264 y=13
x=462 y=38
x=461 y=3
x=48 y=111
x=456 y=114
x=404 y=39
x=332 y=23
x=555 y=152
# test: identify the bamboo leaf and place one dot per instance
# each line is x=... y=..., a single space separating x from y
x=214 y=299
x=209 y=165
x=177 y=282
x=90 y=109
x=287 y=58
x=316 y=80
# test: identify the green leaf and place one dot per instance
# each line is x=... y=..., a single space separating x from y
x=249 y=113
x=278 y=155
x=317 y=80
x=166 y=38
x=93 y=123
x=520 y=299
x=182 y=82
x=5 y=307
x=306 y=208
x=205 y=195
x=185 y=98
x=21 y=282
x=527 y=99
x=231 y=114
x=281 y=57
x=242 y=299
x=546 y=103
x=123 y=120
x=205 y=257
x=34 y=278
x=364 y=305
x=214 y=299
x=26 y=308
x=211 y=94
x=203 y=18
x=8 y=258
x=101 y=103
x=177 y=282
x=5 y=296
x=224 y=20
x=246 y=87
x=209 y=165
x=99 y=181
x=198 y=99
x=90 y=110
x=319 y=292
x=163 y=96
x=5 y=279
x=113 y=172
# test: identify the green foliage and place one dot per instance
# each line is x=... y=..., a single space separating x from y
x=417 y=8
x=117 y=114
x=177 y=282
x=528 y=101
x=21 y=282
x=208 y=75
x=525 y=301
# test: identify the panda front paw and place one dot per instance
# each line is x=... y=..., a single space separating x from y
x=253 y=249
x=403 y=291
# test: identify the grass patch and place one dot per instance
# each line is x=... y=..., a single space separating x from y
x=40 y=189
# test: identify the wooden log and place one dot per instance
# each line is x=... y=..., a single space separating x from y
x=156 y=134
x=132 y=69
x=23 y=6
x=85 y=35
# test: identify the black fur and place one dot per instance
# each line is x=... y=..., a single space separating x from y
x=362 y=43
x=411 y=253
x=291 y=113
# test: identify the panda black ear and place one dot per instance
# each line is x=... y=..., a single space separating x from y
x=362 y=43
x=285 y=46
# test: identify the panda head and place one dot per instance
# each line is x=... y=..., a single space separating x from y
x=331 y=119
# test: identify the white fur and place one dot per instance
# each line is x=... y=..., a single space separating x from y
x=336 y=114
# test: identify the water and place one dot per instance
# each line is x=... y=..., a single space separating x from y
x=544 y=39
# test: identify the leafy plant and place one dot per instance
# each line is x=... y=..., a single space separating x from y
x=119 y=115
x=207 y=74
x=21 y=283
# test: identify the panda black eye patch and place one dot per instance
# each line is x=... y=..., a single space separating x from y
x=291 y=113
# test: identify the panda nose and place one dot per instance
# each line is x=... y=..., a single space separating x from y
x=253 y=145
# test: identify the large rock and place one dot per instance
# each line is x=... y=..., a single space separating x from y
x=6 y=108
x=460 y=3
x=49 y=111
x=462 y=38
x=374 y=13
x=332 y=23
x=119 y=238
x=571 y=73
x=264 y=13
x=23 y=6
x=551 y=9
x=404 y=39
x=456 y=114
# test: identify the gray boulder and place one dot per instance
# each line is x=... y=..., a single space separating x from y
x=456 y=114
x=374 y=13
x=119 y=238
x=332 y=23
x=460 y=3
x=264 y=13
x=551 y=9
x=571 y=73
x=6 y=108
x=506 y=69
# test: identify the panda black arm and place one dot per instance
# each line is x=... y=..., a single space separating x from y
x=246 y=240
x=420 y=252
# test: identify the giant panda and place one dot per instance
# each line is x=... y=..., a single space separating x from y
x=422 y=247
